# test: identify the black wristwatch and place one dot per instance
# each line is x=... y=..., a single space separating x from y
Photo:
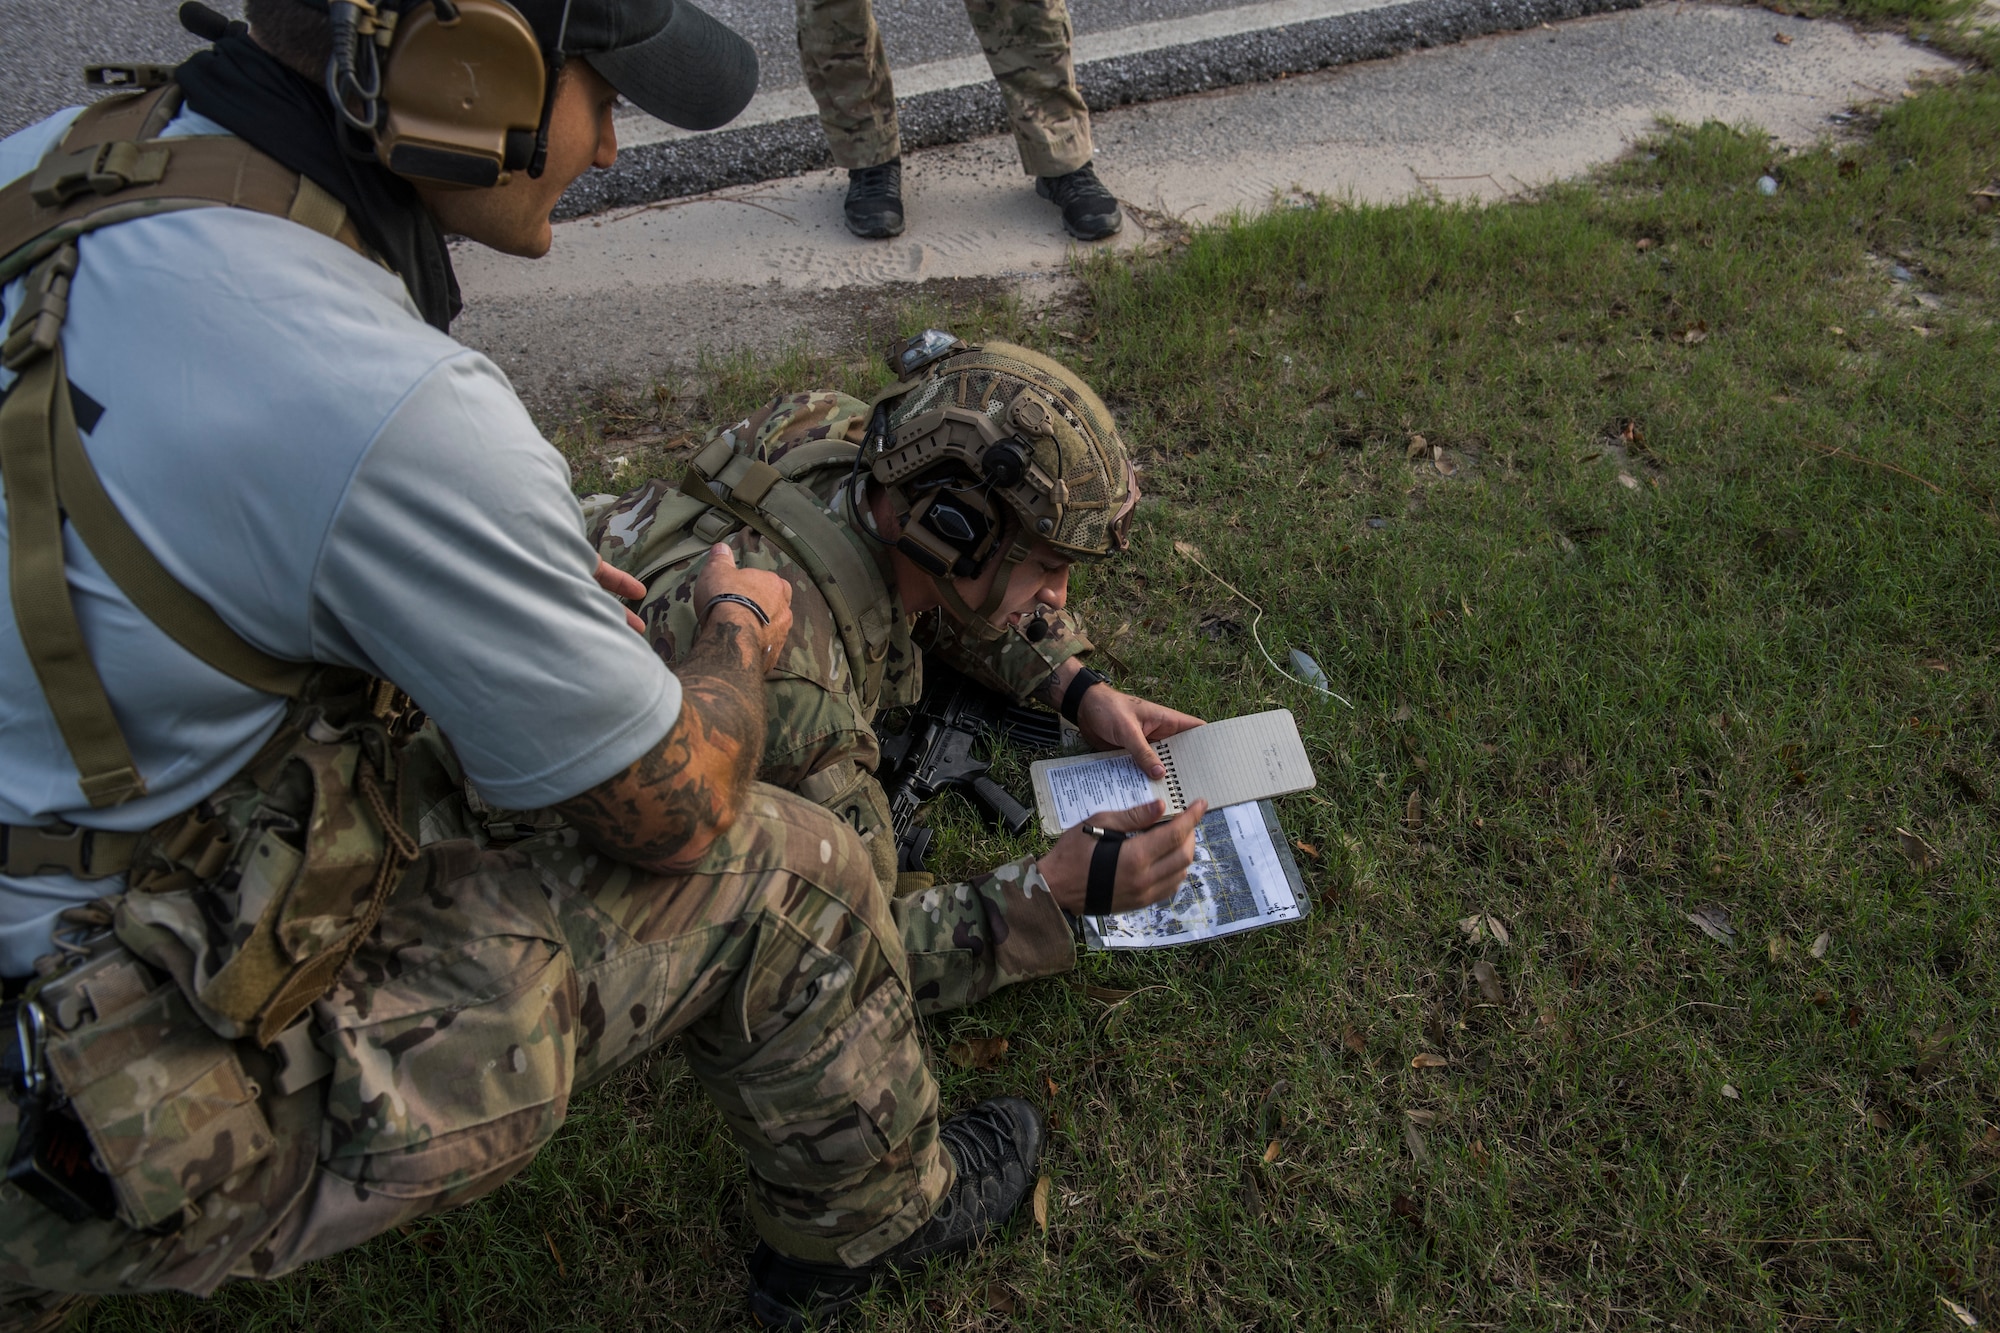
x=1079 y=684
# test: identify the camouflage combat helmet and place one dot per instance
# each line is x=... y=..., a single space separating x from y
x=968 y=434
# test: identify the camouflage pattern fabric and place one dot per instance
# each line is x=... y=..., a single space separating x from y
x=497 y=983
x=1027 y=44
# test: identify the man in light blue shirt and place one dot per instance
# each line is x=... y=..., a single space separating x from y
x=277 y=414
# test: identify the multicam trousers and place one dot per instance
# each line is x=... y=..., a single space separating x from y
x=1027 y=43
x=503 y=980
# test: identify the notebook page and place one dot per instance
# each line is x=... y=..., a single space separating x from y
x=1242 y=759
x=1080 y=788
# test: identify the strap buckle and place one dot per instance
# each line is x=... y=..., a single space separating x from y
x=63 y=848
x=128 y=75
x=37 y=325
x=104 y=168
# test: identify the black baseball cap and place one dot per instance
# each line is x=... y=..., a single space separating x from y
x=669 y=58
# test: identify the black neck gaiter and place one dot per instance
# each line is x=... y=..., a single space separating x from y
x=243 y=88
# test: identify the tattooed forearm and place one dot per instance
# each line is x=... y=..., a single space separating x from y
x=663 y=811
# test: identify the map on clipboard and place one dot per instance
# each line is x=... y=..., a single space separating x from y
x=1243 y=878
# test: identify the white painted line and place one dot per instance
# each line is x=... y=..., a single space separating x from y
x=636 y=128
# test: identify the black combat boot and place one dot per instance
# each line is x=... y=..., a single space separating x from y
x=1090 y=212
x=995 y=1147
x=875 y=200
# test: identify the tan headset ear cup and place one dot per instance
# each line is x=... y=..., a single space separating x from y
x=453 y=92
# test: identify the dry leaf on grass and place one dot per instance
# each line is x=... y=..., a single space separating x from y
x=1481 y=1156
x=1418 y=447
x=1000 y=1299
x=1921 y=855
x=977 y=1053
x=1353 y=1040
x=1483 y=926
x=1413 y=1139
x=1490 y=987
x=1406 y=1208
x=1852 y=1018
x=560 y=1270
x=1729 y=1091
x=1879 y=1118
x=1628 y=481
x=1426 y=1060
x=1270 y=1152
x=1051 y=1086
x=1413 y=810
x=1776 y=947
x=1696 y=332
x=1960 y=1313
x=1424 y=1118
x=1307 y=848
x=1645 y=243
x=1402 y=713
x=1714 y=923
x=1445 y=467
x=1820 y=944
x=1108 y=994
x=1041 y=1205
x=1188 y=549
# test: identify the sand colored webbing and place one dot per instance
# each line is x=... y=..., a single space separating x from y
x=181 y=615
x=201 y=172
x=37 y=410
x=47 y=473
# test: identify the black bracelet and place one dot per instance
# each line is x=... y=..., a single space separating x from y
x=1079 y=684
x=1103 y=875
x=740 y=600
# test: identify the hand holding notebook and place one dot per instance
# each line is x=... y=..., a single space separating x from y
x=1248 y=758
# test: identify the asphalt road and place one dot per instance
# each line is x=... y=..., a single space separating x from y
x=48 y=42
x=629 y=293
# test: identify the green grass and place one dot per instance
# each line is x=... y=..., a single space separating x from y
x=1726 y=684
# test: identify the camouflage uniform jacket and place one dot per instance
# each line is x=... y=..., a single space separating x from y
x=820 y=739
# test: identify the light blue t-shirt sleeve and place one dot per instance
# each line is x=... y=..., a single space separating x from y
x=457 y=567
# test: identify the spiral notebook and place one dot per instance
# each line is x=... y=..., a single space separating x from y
x=1249 y=758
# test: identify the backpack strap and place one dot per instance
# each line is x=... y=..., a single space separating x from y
x=795 y=520
x=110 y=167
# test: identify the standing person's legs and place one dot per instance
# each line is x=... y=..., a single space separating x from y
x=847 y=72
x=1028 y=45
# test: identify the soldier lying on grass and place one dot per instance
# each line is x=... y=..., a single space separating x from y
x=941 y=520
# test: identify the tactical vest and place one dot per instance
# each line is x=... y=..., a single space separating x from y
x=724 y=490
x=255 y=898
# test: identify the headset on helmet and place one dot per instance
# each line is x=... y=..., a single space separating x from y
x=449 y=92
x=969 y=434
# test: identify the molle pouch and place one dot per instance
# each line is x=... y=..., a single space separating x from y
x=167 y=1106
x=255 y=900
x=166 y=1103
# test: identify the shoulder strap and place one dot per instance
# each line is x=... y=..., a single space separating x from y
x=108 y=168
x=89 y=179
x=793 y=517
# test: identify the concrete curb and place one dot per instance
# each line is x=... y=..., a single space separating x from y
x=789 y=147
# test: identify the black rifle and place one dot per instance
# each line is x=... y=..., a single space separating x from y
x=938 y=749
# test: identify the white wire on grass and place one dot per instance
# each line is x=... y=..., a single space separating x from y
x=1255 y=638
